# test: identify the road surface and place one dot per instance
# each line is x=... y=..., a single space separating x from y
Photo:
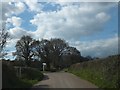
x=63 y=80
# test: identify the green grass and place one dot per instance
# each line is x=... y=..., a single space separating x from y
x=30 y=76
x=26 y=83
x=95 y=78
x=103 y=73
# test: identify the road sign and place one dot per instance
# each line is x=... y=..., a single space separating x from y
x=44 y=63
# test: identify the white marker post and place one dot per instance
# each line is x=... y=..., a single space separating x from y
x=44 y=66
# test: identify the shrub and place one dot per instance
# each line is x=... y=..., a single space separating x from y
x=32 y=74
x=9 y=78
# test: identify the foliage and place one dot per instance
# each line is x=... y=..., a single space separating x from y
x=31 y=74
x=24 y=49
x=70 y=55
x=10 y=80
x=102 y=72
x=58 y=46
x=52 y=52
x=37 y=64
x=42 y=50
x=34 y=64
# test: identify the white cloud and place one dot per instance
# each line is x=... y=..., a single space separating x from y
x=61 y=1
x=10 y=8
x=20 y=6
x=15 y=21
x=33 y=5
x=10 y=47
x=10 y=55
x=11 y=44
x=72 y=21
x=103 y=17
x=68 y=0
x=99 y=48
x=18 y=32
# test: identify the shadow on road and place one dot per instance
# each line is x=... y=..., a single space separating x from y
x=37 y=86
x=41 y=86
x=45 y=77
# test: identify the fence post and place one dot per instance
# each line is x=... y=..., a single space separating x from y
x=20 y=72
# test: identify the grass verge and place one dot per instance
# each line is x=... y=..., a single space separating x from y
x=104 y=73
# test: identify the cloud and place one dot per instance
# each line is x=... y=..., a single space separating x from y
x=62 y=1
x=15 y=21
x=20 y=6
x=11 y=44
x=10 y=55
x=103 y=17
x=18 y=32
x=34 y=5
x=72 y=21
x=98 y=48
x=12 y=8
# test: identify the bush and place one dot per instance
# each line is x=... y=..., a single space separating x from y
x=9 y=78
x=32 y=74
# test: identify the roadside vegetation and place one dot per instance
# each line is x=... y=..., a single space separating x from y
x=30 y=54
x=102 y=72
x=29 y=77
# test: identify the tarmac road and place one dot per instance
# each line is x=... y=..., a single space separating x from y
x=63 y=80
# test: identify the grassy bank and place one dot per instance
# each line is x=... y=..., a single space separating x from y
x=101 y=72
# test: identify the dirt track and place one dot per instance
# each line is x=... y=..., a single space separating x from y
x=63 y=80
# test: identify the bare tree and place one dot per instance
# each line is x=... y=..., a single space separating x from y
x=3 y=40
x=42 y=50
x=58 y=46
x=50 y=51
x=70 y=55
x=24 y=49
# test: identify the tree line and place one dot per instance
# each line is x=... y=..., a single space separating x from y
x=56 y=53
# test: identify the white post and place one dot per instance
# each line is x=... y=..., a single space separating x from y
x=44 y=66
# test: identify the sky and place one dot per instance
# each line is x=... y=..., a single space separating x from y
x=91 y=27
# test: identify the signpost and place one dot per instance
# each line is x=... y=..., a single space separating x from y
x=44 y=66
